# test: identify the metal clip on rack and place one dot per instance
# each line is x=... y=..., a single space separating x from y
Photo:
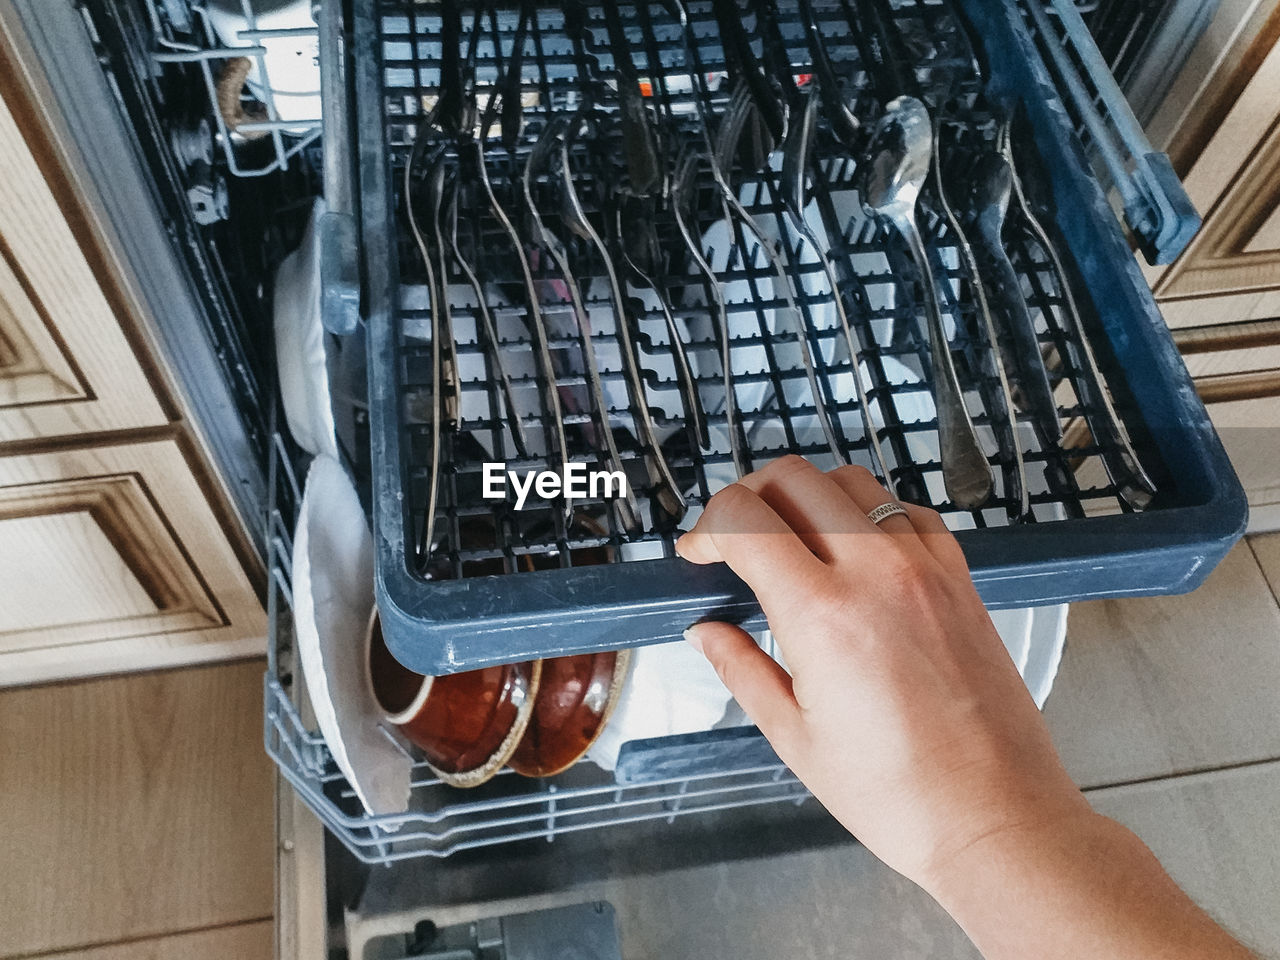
x=1156 y=206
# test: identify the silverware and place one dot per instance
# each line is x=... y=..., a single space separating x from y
x=449 y=348
x=741 y=108
x=1016 y=493
x=901 y=153
x=685 y=215
x=626 y=508
x=666 y=491
x=844 y=124
x=638 y=141
x=989 y=195
x=511 y=81
x=426 y=535
x=766 y=126
x=770 y=95
x=640 y=252
x=1118 y=455
x=795 y=166
x=509 y=86
x=490 y=330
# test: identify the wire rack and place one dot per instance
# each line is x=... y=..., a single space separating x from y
x=243 y=62
x=776 y=405
x=442 y=820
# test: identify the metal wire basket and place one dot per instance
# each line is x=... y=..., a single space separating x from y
x=443 y=820
x=259 y=62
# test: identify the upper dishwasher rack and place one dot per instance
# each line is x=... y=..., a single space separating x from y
x=502 y=585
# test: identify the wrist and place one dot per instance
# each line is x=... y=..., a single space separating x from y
x=1033 y=840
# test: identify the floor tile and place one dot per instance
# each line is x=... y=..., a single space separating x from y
x=1218 y=835
x=1153 y=687
x=1266 y=550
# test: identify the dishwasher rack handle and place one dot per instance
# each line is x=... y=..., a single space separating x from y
x=1156 y=206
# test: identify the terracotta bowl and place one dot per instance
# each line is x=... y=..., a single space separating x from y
x=575 y=698
x=466 y=724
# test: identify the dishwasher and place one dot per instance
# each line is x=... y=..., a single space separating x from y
x=652 y=245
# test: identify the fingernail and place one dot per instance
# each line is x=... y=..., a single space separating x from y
x=679 y=552
x=691 y=635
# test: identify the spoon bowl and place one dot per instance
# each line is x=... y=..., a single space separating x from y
x=901 y=154
x=901 y=151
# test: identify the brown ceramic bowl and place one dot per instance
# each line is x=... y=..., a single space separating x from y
x=575 y=698
x=576 y=695
x=466 y=724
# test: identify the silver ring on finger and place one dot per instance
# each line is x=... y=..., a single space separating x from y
x=886 y=510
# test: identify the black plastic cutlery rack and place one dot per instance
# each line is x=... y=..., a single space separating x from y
x=500 y=584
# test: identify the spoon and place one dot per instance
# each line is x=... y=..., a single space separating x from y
x=901 y=154
x=989 y=197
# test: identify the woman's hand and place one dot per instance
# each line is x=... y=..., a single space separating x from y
x=905 y=716
x=903 y=713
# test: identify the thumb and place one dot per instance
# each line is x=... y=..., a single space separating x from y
x=759 y=684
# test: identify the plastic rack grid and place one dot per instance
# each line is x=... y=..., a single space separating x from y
x=430 y=611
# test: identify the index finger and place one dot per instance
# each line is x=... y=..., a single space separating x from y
x=740 y=529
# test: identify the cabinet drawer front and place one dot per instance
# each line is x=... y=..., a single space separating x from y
x=113 y=560
x=1236 y=180
x=66 y=365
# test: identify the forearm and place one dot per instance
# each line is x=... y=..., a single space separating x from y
x=1087 y=889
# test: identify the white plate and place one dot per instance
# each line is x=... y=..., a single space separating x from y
x=332 y=602
x=1048 y=639
x=300 y=346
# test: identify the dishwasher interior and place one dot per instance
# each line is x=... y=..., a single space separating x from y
x=804 y=334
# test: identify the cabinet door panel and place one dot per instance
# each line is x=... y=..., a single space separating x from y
x=111 y=560
x=1236 y=179
x=66 y=365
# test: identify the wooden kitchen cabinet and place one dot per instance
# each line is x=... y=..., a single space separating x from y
x=66 y=365
x=1221 y=126
x=117 y=551
x=138 y=817
x=111 y=559
x=1235 y=179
